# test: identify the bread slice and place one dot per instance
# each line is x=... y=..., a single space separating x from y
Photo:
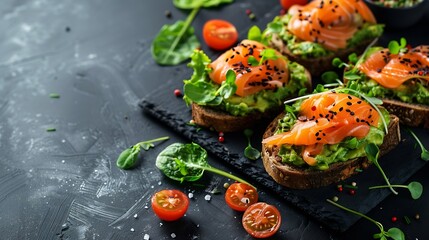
x=221 y=121
x=306 y=178
x=317 y=66
x=415 y=115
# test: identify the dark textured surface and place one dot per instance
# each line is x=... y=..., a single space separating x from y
x=95 y=54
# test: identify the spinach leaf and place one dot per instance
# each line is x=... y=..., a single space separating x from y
x=190 y=4
x=187 y=162
x=128 y=158
x=174 y=43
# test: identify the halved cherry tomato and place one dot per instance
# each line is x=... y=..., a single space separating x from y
x=219 y=34
x=286 y=4
x=170 y=205
x=261 y=220
x=239 y=196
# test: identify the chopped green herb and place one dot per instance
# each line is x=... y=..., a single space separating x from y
x=54 y=95
x=51 y=129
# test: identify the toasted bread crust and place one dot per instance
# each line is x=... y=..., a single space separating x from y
x=415 y=115
x=221 y=121
x=316 y=66
x=306 y=178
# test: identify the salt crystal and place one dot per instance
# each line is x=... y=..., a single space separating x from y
x=132 y=229
x=207 y=197
x=146 y=236
x=159 y=183
x=173 y=235
x=190 y=195
x=135 y=215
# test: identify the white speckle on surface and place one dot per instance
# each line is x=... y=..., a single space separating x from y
x=63 y=141
x=159 y=183
x=132 y=230
x=152 y=186
x=135 y=215
x=198 y=225
x=160 y=224
x=92 y=56
x=190 y=195
x=146 y=236
x=63 y=161
x=146 y=207
x=207 y=197
x=173 y=235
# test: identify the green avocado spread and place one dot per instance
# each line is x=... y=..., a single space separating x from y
x=349 y=148
x=308 y=49
x=200 y=87
x=414 y=91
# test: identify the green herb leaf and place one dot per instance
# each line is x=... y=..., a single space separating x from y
x=416 y=189
x=228 y=87
x=191 y=4
x=187 y=162
x=254 y=34
x=353 y=58
x=396 y=234
x=175 y=43
x=329 y=77
x=425 y=153
x=51 y=129
x=372 y=153
x=200 y=92
x=250 y=152
x=128 y=157
x=252 y=61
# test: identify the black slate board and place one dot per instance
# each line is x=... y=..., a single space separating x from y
x=399 y=164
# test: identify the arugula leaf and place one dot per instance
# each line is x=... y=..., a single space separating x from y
x=191 y=4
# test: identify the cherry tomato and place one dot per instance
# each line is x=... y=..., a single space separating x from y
x=261 y=220
x=239 y=196
x=170 y=205
x=219 y=34
x=286 y=4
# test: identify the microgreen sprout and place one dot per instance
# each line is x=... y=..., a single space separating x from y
x=394 y=233
x=395 y=47
x=415 y=188
x=329 y=77
x=372 y=153
x=425 y=153
x=250 y=152
x=128 y=158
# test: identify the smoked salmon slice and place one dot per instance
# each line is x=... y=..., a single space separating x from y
x=329 y=22
x=392 y=70
x=327 y=119
x=271 y=74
